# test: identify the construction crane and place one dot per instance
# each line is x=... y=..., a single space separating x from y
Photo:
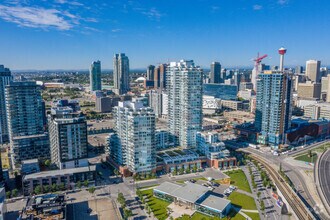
x=258 y=61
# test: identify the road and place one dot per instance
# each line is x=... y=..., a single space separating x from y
x=273 y=212
x=295 y=176
x=323 y=170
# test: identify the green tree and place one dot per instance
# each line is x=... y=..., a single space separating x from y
x=127 y=213
x=53 y=187
x=62 y=187
x=258 y=194
x=91 y=190
x=181 y=170
x=38 y=190
x=47 y=163
x=262 y=205
x=195 y=168
x=121 y=199
x=86 y=183
x=78 y=184
x=14 y=192
x=187 y=170
x=8 y=194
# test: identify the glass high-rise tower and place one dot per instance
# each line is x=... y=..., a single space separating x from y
x=5 y=78
x=121 y=73
x=215 y=73
x=95 y=76
x=273 y=110
x=25 y=122
x=184 y=87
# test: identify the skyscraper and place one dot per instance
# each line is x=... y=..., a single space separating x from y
x=299 y=70
x=121 y=73
x=313 y=70
x=5 y=78
x=215 y=73
x=160 y=77
x=150 y=72
x=273 y=110
x=133 y=145
x=25 y=122
x=68 y=138
x=95 y=76
x=184 y=86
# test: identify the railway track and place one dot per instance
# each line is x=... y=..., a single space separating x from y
x=294 y=201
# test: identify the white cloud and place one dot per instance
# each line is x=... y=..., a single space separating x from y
x=116 y=30
x=282 y=2
x=36 y=17
x=153 y=13
x=76 y=3
x=257 y=7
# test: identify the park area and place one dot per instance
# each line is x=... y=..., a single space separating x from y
x=238 y=179
x=157 y=206
x=242 y=201
x=308 y=157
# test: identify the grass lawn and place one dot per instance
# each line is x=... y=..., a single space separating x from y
x=304 y=157
x=238 y=178
x=199 y=216
x=322 y=148
x=157 y=206
x=254 y=216
x=242 y=200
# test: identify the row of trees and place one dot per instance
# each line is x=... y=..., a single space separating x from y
x=144 y=176
x=123 y=203
x=57 y=187
x=181 y=171
x=12 y=193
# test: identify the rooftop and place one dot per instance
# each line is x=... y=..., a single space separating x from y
x=59 y=172
x=189 y=192
x=30 y=161
x=215 y=202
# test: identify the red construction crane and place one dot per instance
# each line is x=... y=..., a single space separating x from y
x=258 y=61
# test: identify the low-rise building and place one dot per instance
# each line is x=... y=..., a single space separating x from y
x=193 y=196
x=176 y=160
x=239 y=116
x=211 y=104
x=317 y=111
x=68 y=177
x=105 y=104
x=234 y=105
x=30 y=166
x=45 y=207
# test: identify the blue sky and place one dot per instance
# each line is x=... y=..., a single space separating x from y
x=70 y=34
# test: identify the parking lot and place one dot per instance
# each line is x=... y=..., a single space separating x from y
x=99 y=209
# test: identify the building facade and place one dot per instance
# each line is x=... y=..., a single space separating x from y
x=95 y=76
x=313 y=70
x=184 y=87
x=121 y=73
x=273 y=110
x=105 y=104
x=160 y=76
x=309 y=90
x=215 y=73
x=25 y=122
x=68 y=138
x=134 y=144
x=150 y=72
x=5 y=78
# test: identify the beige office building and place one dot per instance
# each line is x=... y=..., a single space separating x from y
x=309 y=90
x=313 y=70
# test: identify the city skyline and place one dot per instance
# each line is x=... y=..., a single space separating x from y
x=62 y=34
